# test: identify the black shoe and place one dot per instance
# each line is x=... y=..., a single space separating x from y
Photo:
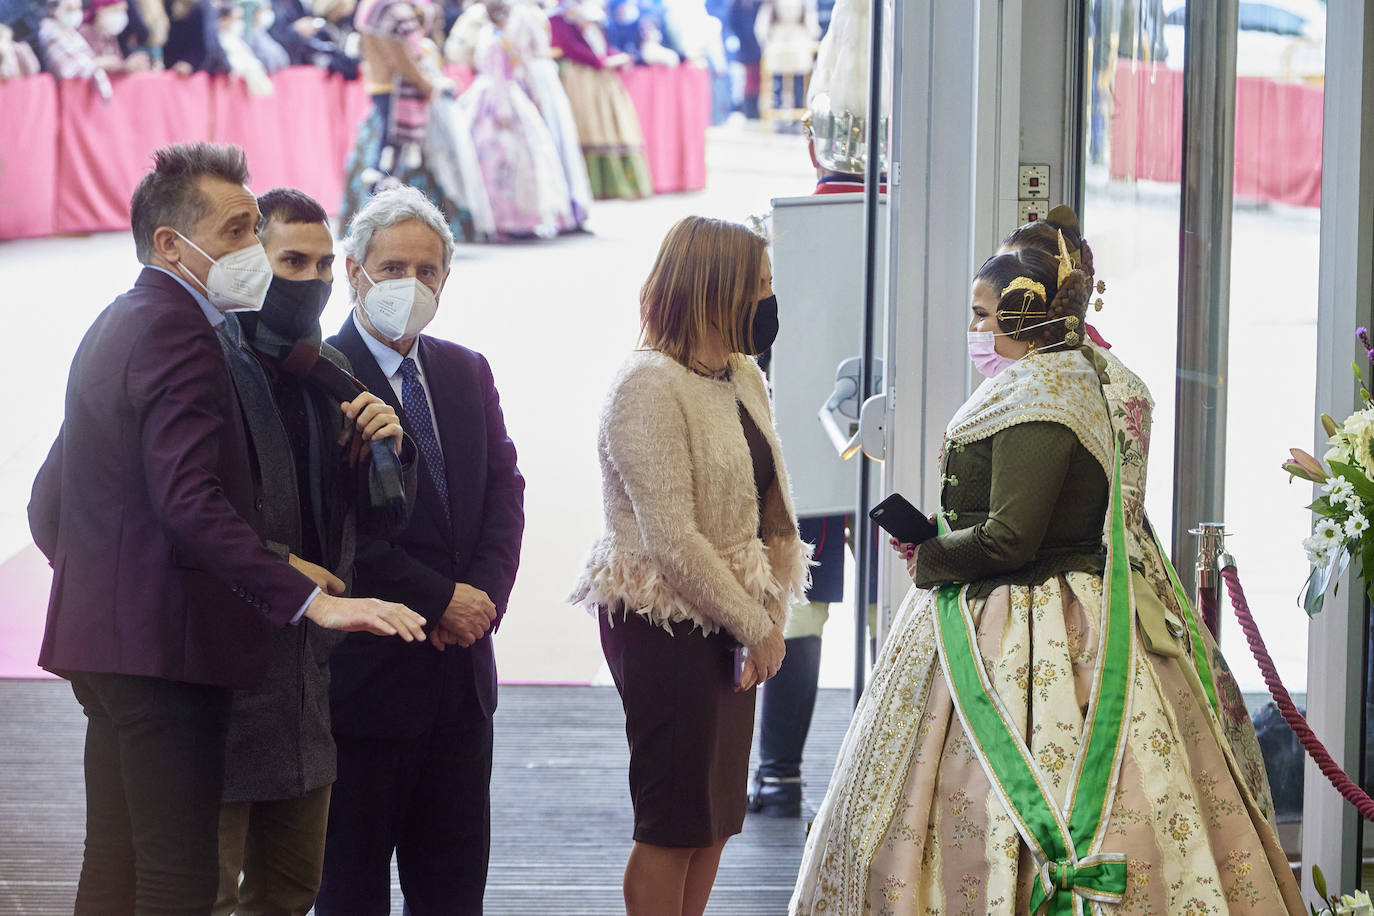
x=776 y=796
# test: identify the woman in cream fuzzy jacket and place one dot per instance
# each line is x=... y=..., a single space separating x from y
x=700 y=555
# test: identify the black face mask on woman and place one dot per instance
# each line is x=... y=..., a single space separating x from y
x=764 y=329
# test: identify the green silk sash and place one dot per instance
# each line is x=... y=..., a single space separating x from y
x=1066 y=843
x=1204 y=667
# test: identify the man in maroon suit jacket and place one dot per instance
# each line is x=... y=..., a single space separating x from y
x=164 y=597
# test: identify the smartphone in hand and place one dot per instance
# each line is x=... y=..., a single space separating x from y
x=739 y=665
x=902 y=520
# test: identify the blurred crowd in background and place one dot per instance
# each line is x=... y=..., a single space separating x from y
x=250 y=39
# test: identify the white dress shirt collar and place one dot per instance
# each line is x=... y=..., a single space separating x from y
x=212 y=314
x=388 y=360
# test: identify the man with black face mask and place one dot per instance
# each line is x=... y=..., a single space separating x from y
x=309 y=447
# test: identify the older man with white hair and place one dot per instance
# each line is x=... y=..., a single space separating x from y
x=414 y=729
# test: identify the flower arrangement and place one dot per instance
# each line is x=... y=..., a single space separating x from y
x=1346 y=474
x=1357 y=904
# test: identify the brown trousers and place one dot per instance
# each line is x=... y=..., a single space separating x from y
x=278 y=849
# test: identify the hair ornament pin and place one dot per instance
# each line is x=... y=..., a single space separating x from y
x=1031 y=291
x=1072 y=339
x=1097 y=306
x=1101 y=287
x=1071 y=322
x=1066 y=265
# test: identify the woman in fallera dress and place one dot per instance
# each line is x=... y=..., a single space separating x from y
x=1160 y=604
x=1023 y=746
x=518 y=160
x=607 y=124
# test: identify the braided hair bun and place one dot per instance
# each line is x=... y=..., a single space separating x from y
x=1070 y=303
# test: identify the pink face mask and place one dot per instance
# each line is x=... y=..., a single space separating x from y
x=982 y=349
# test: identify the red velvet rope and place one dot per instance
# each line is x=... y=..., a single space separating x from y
x=1338 y=778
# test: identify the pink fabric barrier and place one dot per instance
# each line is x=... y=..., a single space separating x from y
x=1278 y=155
x=1147 y=123
x=76 y=159
x=273 y=130
x=1279 y=142
x=104 y=146
x=28 y=157
x=674 y=108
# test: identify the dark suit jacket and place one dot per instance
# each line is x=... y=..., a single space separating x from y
x=386 y=688
x=146 y=506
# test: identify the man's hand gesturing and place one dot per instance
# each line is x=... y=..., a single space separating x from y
x=371 y=615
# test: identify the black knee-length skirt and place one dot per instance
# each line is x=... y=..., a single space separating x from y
x=689 y=731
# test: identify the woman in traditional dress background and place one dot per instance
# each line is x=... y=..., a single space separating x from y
x=388 y=145
x=520 y=166
x=1158 y=602
x=1022 y=743
x=529 y=30
x=612 y=142
x=788 y=31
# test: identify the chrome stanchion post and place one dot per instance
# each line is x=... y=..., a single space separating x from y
x=1212 y=558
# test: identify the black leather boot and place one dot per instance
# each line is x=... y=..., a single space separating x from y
x=789 y=699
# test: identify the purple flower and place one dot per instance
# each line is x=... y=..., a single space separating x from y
x=1363 y=335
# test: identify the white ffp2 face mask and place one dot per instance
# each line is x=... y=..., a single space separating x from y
x=238 y=281
x=71 y=18
x=113 y=24
x=399 y=309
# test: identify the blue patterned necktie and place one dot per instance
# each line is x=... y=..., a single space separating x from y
x=422 y=427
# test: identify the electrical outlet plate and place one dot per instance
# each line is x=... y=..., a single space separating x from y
x=1034 y=182
x=1028 y=211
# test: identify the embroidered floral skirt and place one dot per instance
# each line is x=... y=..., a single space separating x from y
x=358 y=187
x=609 y=129
x=912 y=825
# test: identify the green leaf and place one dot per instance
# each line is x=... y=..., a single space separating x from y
x=1318 y=879
x=1363 y=485
x=1355 y=368
x=1324 y=508
x=1366 y=548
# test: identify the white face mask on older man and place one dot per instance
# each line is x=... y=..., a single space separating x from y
x=399 y=309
